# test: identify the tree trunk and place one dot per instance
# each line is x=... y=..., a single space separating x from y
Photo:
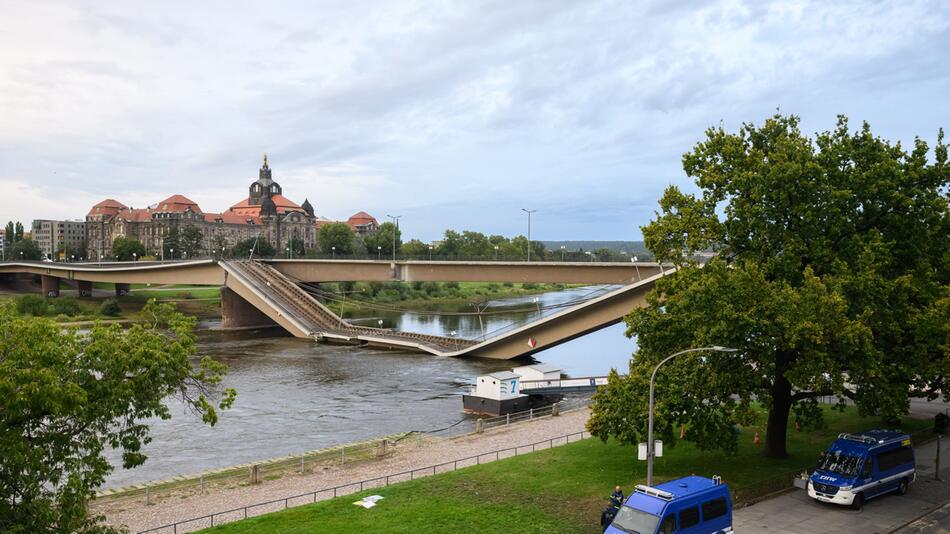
x=777 y=430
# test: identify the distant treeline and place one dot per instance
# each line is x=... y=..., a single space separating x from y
x=630 y=247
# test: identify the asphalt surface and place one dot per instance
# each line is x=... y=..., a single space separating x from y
x=796 y=513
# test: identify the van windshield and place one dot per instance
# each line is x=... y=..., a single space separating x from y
x=635 y=521
x=842 y=464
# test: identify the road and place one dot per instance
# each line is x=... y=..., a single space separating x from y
x=796 y=513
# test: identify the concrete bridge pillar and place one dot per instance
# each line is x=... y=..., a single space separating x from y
x=50 y=285
x=85 y=288
x=239 y=313
x=122 y=290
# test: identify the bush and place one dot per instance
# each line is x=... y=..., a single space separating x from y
x=431 y=288
x=451 y=285
x=67 y=307
x=34 y=305
x=181 y=295
x=508 y=284
x=529 y=285
x=110 y=308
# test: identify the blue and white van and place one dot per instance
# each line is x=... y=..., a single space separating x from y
x=858 y=467
x=689 y=505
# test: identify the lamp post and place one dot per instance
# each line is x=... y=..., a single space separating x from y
x=650 y=444
x=496 y=252
x=379 y=252
x=430 y=252
x=395 y=219
x=562 y=252
x=135 y=257
x=171 y=252
x=333 y=252
x=529 y=212
x=590 y=255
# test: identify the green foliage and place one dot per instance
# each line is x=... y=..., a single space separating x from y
x=124 y=248
x=8 y=233
x=381 y=242
x=337 y=238
x=838 y=253
x=64 y=306
x=25 y=249
x=110 y=308
x=18 y=232
x=415 y=249
x=70 y=251
x=66 y=395
x=294 y=247
x=262 y=249
x=189 y=240
x=34 y=305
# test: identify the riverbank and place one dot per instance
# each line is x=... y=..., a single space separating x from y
x=404 y=456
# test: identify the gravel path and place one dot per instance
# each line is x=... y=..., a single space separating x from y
x=138 y=516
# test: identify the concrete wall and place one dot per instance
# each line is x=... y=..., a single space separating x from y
x=239 y=313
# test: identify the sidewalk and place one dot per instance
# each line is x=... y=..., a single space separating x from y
x=138 y=516
x=796 y=513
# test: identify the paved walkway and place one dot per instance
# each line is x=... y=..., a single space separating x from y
x=796 y=513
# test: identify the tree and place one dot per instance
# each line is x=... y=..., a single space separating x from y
x=124 y=248
x=451 y=245
x=26 y=249
x=415 y=249
x=8 y=233
x=18 y=232
x=337 y=238
x=382 y=241
x=74 y=251
x=296 y=245
x=65 y=396
x=832 y=279
x=262 y=248
x=189 y=240
x=170 y=245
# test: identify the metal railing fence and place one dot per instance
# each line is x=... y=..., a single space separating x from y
x=240 y=513
x=305 y=462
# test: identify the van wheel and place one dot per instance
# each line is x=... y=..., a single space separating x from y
x=858 y=501
x=902 y=487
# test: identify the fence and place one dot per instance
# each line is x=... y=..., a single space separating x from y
x=235 y=514
x=306 y=462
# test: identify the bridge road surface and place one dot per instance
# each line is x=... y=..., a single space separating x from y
x=796 y=513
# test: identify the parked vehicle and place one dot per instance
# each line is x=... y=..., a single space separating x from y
x=858 y=467
x=689 y=505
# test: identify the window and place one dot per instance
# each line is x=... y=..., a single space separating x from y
x=669 y=525
x=894 y=458
x=689 y=517
x=714 y=508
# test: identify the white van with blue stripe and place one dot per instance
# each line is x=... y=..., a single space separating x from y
x=861 y=466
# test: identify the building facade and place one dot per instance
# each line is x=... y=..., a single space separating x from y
x=60 y=239
x=265 y=215
x=3 y=244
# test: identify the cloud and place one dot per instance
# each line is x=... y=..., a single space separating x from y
x=456 y=114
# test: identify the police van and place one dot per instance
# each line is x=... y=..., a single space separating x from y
x=858 y=467
x=689 y=505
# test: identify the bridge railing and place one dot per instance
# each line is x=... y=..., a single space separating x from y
x=579 y=382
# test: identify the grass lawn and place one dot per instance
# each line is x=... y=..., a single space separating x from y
x=557 y=490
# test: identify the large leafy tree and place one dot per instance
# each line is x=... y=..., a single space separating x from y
x=832 y=279
x=26 y=249
x=337 y=238
x=124 y=248
x=67 y=395
x=382 y=241
x=190 y=239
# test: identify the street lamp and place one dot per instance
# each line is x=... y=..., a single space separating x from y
x=590 y=255
x=496 y=251
x=562 y=252
x=333 y=252
x=171 y=252
x=395 y=219
x=650 y=444
x=379 y=251
x=529 y=212
x=135 y=257
x=430 y=252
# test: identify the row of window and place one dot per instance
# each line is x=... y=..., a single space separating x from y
x=894 y=458
x=689 y=517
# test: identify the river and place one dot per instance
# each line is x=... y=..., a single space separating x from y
x=295 y=395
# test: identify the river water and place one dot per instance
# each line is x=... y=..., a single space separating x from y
x=295 y=395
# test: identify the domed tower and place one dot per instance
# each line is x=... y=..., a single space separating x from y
x=263 y=187
x=268 y=207
x=307 y=207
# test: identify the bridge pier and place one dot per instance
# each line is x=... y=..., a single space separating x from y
x=84 y=288
x=122 y=290
x=50 y=285
x=239 y=313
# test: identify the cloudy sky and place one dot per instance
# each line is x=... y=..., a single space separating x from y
x=452 y=114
